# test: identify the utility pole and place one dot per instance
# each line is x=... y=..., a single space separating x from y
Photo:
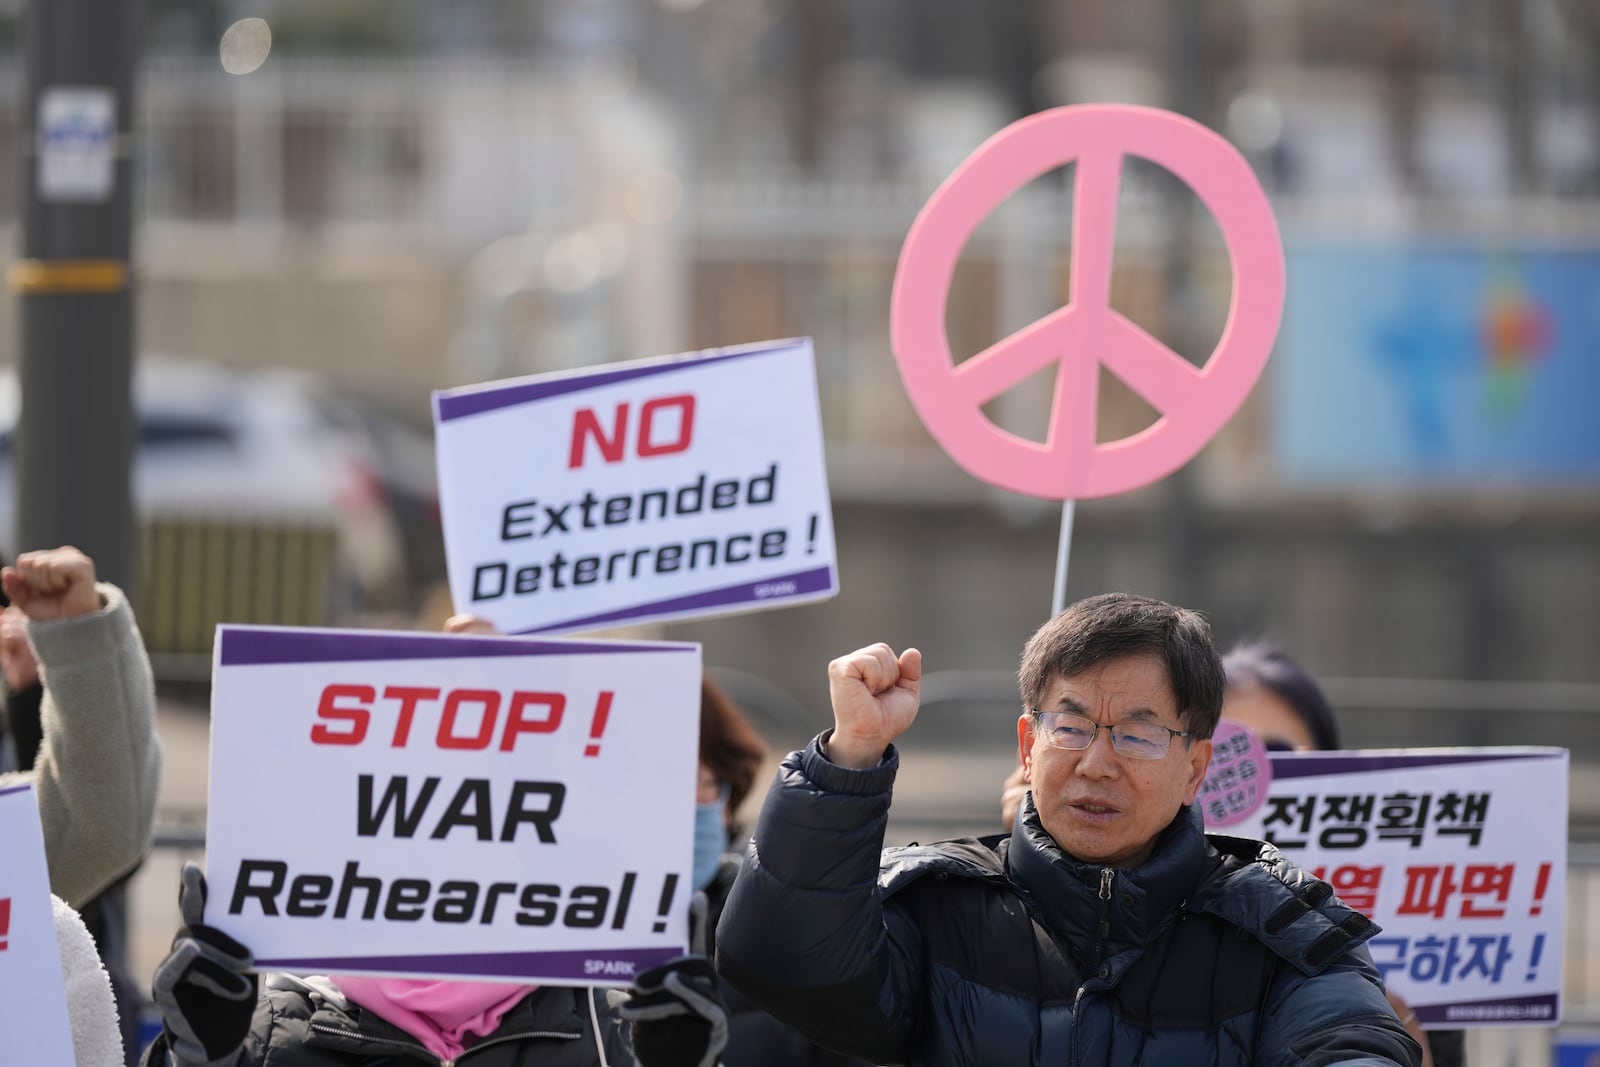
x=74 y=283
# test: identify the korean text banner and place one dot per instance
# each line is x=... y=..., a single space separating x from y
x=1459 y=854
x=657 y=489
x=452 y=806
x=33 y=996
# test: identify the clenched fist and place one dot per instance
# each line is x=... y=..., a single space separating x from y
x=875 y=695
x=57 y=583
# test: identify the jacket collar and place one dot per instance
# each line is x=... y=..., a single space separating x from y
x=1067 y=892
x=337 y=1023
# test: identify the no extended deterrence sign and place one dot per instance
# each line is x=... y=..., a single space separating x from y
x=637 y=491
x=452 y=806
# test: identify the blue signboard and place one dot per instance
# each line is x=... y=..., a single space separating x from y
x=1446 y=363
x=1577 y=1050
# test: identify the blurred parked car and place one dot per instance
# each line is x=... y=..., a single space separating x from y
x=399 y=451
x=235 y=452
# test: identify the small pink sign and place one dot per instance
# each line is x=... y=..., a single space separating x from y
x=1088 y=333
x=1236 y=782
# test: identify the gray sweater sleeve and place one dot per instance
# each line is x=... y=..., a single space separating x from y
x=99 y=767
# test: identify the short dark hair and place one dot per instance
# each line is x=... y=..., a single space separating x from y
x=729 y=745
x=1113 y=625
x=1269 y=666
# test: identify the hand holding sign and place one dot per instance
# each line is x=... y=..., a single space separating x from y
x=204 y=989
x=1079 y=338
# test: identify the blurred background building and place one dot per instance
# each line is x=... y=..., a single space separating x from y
x=384 y=197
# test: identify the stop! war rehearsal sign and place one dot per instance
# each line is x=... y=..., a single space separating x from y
x=1459 y=854
x=452 y=806
x=657 y=489
x=33 y=996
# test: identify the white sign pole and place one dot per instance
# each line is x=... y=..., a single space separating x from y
x=1058 y=601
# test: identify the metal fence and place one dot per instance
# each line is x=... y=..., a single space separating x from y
x=197 y=572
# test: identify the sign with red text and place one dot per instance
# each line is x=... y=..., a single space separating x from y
x=1459 y=854
x=658 y=489
x=452 y=806
x=33 y=996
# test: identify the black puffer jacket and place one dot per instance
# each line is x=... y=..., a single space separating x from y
x=308 y=1023
x=756 y=1039
x=1007 y=951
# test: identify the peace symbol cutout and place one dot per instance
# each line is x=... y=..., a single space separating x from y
x=1193 y=403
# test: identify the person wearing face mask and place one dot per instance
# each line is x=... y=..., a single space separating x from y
x=1274 y=696
x=216 y=1012
x=1283 y=705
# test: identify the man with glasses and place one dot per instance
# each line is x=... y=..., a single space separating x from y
x=1107 y=928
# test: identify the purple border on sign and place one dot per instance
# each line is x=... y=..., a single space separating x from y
x=1489 y=1012
x=15 y=789
x=460 y=405
x=242 y=647
x=1310 y=765
x=543 y=965
x=817 y=580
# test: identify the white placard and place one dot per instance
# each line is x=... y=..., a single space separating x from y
x=1459 y=854
x=33 y=995
x=452 y=806
x=658 y=489
x=77 y=143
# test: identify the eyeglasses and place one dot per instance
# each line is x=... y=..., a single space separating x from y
x=1136 y=740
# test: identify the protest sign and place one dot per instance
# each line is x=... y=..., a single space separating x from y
x=1237 y=778
x=656 y=489
x=33 y=996
x=452 y=806
x=1459 y=854
x=1194 y=402
x=1077 y=340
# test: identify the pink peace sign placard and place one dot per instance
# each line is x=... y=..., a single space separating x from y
x=1193 y=402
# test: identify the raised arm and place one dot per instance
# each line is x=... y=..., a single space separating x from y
x=98 y=771
x=805 y=932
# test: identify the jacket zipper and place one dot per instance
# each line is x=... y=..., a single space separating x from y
x=407 y=1045
x=1106 y=874
x=427 y=1052
x=1104 y=931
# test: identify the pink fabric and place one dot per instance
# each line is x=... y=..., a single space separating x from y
x=442 y=1015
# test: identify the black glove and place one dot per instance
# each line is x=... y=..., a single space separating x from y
x=678 y=1017
x=204 y=989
